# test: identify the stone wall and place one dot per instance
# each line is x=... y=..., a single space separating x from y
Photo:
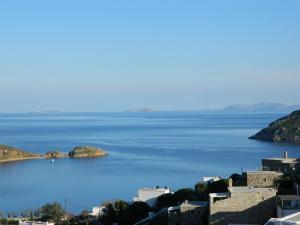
x=261 y=179
x=243 y=208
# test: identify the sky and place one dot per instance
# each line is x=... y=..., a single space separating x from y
x=116 y=55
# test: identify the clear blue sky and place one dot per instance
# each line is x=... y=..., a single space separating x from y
x=167 y=55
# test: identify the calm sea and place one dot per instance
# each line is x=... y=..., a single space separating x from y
x=174 y=149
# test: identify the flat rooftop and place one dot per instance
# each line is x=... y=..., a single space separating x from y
x=219 y=195
x=263 y=172
x=287 y=220
x=284 y=160
x=194 y=204
x=246 y=189
x=155 y=189
x=294 y=217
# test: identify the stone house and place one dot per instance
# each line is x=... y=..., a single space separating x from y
x=242 y=205
x=285 y=164
x=263 y=179
x=188 y=213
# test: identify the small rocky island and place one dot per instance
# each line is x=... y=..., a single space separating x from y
x=55 y=154
x=8 y=153
x=285 y=129
x=87 y=152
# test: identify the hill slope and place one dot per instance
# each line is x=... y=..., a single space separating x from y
x=8 y=153
x=285 y=129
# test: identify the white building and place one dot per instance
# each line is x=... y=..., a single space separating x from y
x=24 y=222
x=293 y=219
x=98 y=211
x=149 y=195
x=208 y=180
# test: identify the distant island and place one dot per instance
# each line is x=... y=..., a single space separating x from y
x=8 y=153
x=285 y=129
x=257 y=108
x=141 y=110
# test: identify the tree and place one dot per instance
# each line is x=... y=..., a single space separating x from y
x=166 y=200
x=53 y=212
x=120 y=211
x=185 y=194
x=217 y=186
x=3 y=221
x=84 y=214
x=110 y=215
x=136 y=212
x=286 y=186
x=238 y=179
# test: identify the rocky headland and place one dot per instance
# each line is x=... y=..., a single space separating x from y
x=285 y=129
x=87 y=152
x=8 y=153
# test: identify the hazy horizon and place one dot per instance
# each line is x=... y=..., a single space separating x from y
x=98 y=56
x=267 y=107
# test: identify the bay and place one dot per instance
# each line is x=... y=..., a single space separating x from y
x=146 y=149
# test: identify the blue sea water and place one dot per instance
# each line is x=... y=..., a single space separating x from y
x=174 y=149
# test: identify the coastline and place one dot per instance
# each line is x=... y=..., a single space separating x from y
x=18 y=159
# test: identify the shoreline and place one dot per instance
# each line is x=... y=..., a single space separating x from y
x=18 y=159
x=48 y=158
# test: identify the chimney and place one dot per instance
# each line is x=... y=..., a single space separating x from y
x=230 y=183
x=285 y=155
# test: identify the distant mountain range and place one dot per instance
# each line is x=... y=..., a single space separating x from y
x=257 y=108
x=141 y=110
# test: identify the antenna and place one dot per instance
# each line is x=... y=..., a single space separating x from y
x=65 y=205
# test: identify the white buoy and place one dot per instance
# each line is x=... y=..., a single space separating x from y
x=52 y=160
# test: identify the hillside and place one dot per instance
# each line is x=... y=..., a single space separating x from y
x=285 y=129
x=8 y=153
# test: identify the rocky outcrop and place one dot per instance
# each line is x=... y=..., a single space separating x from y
x=8 y=153
x=55 y=154
x=87 y=152
x=285 y=129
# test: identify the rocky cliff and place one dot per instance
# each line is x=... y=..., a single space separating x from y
x=285 y=129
